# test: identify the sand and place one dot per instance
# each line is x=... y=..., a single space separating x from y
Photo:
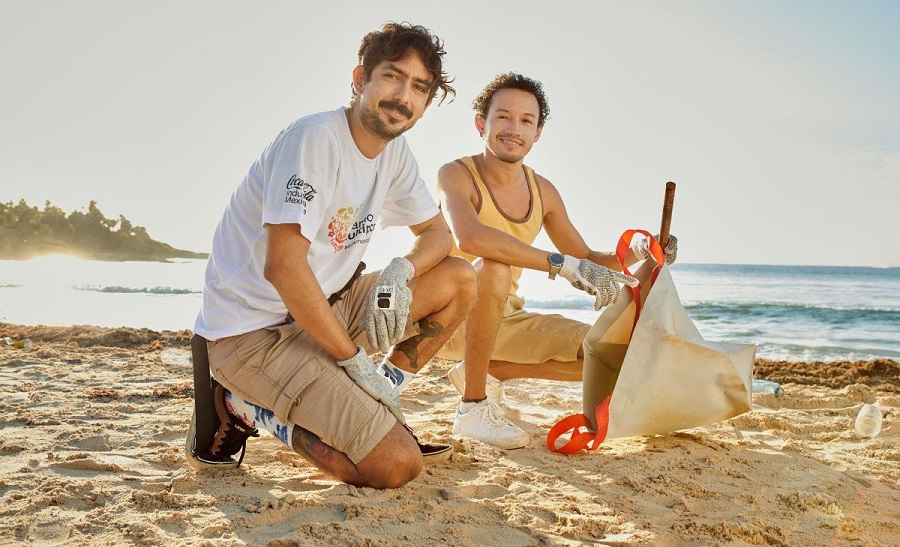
x=92 y=426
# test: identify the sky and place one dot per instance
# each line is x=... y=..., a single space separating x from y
x=778 y=121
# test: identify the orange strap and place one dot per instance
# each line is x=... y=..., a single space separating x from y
x=656 y=253
x=574 y=423
x=580 y=439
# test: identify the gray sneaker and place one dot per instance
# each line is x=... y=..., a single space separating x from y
x=486 y=422
x=493 y=388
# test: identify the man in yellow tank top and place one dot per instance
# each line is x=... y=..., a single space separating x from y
x=496 y=206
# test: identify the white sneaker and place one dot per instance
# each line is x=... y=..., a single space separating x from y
x=485 y=422
x=493 y=388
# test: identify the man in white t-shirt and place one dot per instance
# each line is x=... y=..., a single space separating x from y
x=289 y=318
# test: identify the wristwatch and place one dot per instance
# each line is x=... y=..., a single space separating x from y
x=556 y=263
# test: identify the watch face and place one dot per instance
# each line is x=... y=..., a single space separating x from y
x=556 y=259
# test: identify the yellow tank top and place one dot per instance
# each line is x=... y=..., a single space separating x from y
x=524 y=229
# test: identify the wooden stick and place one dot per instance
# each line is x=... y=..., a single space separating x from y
x=667 y=214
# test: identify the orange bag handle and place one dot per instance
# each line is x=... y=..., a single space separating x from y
x=580 y=439
x=656 y=253
x=574 y=423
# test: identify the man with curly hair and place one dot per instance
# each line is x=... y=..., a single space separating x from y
x=289 y=316
x=496 y=206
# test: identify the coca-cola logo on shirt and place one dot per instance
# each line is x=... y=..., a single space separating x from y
x=299 y=192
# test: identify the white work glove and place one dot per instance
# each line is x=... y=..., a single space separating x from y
x=362 y=370
x=641 y=248
x=595 y=280
x=387 y=305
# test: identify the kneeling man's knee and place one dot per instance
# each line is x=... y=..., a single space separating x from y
x=463 y=276
x=493 y=277
x=395 y=461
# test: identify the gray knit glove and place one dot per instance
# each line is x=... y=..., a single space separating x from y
x=387 y=305
x=596 y=280
x=641 y=249
x=362 y=370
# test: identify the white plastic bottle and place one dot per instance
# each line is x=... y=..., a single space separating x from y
x=868 y=421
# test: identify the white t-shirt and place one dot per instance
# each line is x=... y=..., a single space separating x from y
x=312 y=175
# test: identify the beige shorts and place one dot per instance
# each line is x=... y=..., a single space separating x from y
x=283 y=369
x=527 y=337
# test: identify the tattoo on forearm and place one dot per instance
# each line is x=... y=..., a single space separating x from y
x=410 y=346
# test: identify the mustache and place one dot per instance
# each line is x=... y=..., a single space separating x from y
x=403 y=109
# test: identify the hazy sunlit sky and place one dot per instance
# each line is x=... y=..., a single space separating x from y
x=779 y=121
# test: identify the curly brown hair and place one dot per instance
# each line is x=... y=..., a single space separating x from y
x=393 y=41
x=513 y=80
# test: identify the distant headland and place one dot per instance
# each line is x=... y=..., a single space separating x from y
x=28 y=232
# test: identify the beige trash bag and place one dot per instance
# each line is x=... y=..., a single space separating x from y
x=655 y=375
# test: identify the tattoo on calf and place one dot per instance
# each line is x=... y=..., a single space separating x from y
x=310 y=446
x=410 y=346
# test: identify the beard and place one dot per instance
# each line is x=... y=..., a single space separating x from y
x=373 y=122
x=506 y=156
x=494 y=143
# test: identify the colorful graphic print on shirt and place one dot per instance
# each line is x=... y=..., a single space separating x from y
x=345 y=230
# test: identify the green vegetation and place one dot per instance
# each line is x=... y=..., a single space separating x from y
x=27 y=232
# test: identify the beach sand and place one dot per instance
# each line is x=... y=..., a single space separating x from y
x=92 y=425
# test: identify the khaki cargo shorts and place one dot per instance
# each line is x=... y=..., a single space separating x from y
x=527 y=337
x=283 y=369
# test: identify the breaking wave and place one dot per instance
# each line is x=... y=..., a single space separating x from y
x=117 y=289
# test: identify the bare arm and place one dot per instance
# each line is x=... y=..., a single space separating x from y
x=459 y=199
x=288 y=270
x=432 y=244
x=566 y=237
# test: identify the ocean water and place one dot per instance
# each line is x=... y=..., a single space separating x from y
x=805 y=313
